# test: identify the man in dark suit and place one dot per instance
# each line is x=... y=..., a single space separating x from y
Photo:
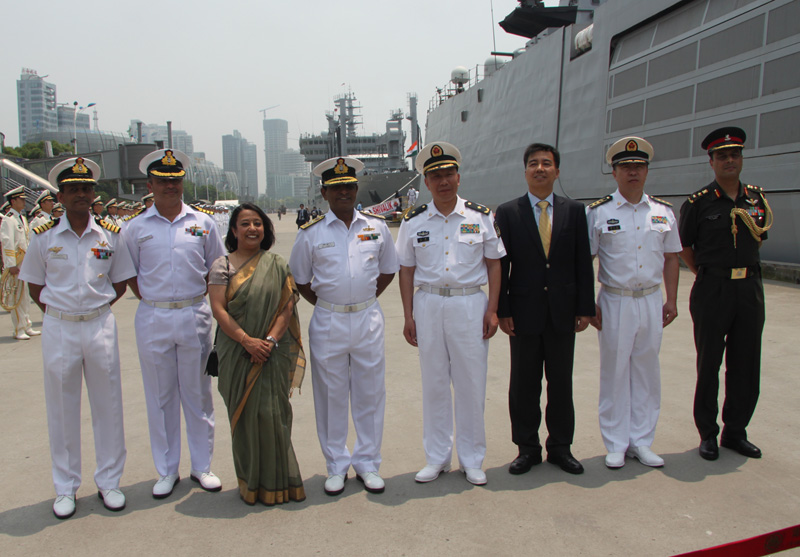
x=546 y=296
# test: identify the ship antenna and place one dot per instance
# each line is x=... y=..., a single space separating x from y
x=494 y=40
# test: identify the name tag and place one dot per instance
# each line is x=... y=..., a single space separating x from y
x=326 y=245
x=142 y=240
x=59 y=256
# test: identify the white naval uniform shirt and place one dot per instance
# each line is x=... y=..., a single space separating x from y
x=43 y=218
x=77 y=272
x=173 y=258
x=449 y=251
x=14 y=235
x=343 y=264
x=631 y=240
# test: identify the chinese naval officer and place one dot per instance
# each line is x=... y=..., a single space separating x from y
x=76 y=267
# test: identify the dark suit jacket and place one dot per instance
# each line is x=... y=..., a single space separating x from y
x=564 y=282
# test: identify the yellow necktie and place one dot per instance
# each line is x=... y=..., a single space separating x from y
x=544 y=226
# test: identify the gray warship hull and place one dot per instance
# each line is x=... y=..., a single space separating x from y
x=664 y=70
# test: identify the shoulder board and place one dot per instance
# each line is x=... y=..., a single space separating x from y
x=201 y=209
x=417 y=211
x=108 y=226
x=756 y=189
x=697 y=195
x=662 y=201
x=45 y=227
x=600 y=201
x=136 y=214
x=477 y=207
x=371 y=215
x=312 y=222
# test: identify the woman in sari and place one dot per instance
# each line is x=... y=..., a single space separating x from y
x=253 y=297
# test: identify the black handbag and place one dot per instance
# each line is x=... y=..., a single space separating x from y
x=212 y=365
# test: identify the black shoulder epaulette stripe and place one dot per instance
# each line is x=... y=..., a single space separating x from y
x=698 y=194
x=311 y=222
x=662 y=201
x=417 y=211
x=371 y=215
x=757 y=189
x=600 y=201
x=45 y=227
x=108 y=226
x=477 y=207
x=201 y=209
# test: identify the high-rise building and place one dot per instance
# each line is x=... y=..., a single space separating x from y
x=287 y=170
x=239 y=157
x=36 y=105
x=152 y=133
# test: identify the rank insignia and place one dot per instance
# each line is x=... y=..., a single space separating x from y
x=367 y=237
x=195 y=231
x=658 y=220
x=612 y=221
x=470 y=228
x=102 y=253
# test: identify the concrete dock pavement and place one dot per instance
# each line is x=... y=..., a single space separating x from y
x=689 y=504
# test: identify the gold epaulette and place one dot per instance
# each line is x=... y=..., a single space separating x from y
x=600 y=201
x=477 y=207
x=201 y=209
x=45 y=227
x=136 y=214
x=108 y=226
x=372 y=215
x=418 y=211
x=314 y=221
x=697 y=195
x=662 y=201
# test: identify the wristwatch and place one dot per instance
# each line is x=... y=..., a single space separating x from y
x=273 y=340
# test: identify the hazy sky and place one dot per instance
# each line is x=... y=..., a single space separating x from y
x=211 y=66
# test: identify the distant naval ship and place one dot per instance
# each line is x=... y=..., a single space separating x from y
x=593 y=71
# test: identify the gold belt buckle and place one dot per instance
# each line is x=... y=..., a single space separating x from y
x=739 y=273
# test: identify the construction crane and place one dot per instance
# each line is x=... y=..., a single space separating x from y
x=263 y=111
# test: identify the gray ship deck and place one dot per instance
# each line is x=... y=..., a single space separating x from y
x=687 y=505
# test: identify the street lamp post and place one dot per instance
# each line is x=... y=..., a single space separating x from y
x=75 y=123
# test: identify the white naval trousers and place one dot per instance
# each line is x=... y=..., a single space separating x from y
x=452 y=350
x=630 y=374
x=348 y=364
x=73 y=350
x=174 y=345
x=21 y=315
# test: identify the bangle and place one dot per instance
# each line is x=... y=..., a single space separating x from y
x=244 y=334
x=273 y=340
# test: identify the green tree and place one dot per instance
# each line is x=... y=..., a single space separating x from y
x=36 y=150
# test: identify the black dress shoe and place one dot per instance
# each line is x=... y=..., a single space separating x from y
x=566 y=462
x=523 y=463
x=741 y=446
x=708 y=449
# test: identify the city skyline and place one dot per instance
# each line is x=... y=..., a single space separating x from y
x=293 y=57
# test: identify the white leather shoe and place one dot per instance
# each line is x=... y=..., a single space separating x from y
x=334 y=485
x=372 y=482
x=64 y=506
x=475 y=476
x=32 y=332
x=615 y=460
x=165 y=485
x=22 y=336
x=431 y=472
x=207 y=480
x=113 y=499
x=646 y=456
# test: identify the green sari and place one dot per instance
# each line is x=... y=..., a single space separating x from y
x=257 y=395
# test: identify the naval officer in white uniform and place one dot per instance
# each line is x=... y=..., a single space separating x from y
x=173 y=247
x=342 y=261
x=14 y=237
x=76 y=267
x=45 y=201
x=448 y=249
x=635 y=237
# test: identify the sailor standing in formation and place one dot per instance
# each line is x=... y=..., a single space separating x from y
x=45 y=202
x=449 y=249
x=80 y=333
x=722 y=228
x=635 y=237
x=14 y=237
x=342 y=261
x=173 y=247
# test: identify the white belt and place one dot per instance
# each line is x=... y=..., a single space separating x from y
x=447 y=292
x=63 y=315
x=345 y=308
x=634 y=293
x=179 y=304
